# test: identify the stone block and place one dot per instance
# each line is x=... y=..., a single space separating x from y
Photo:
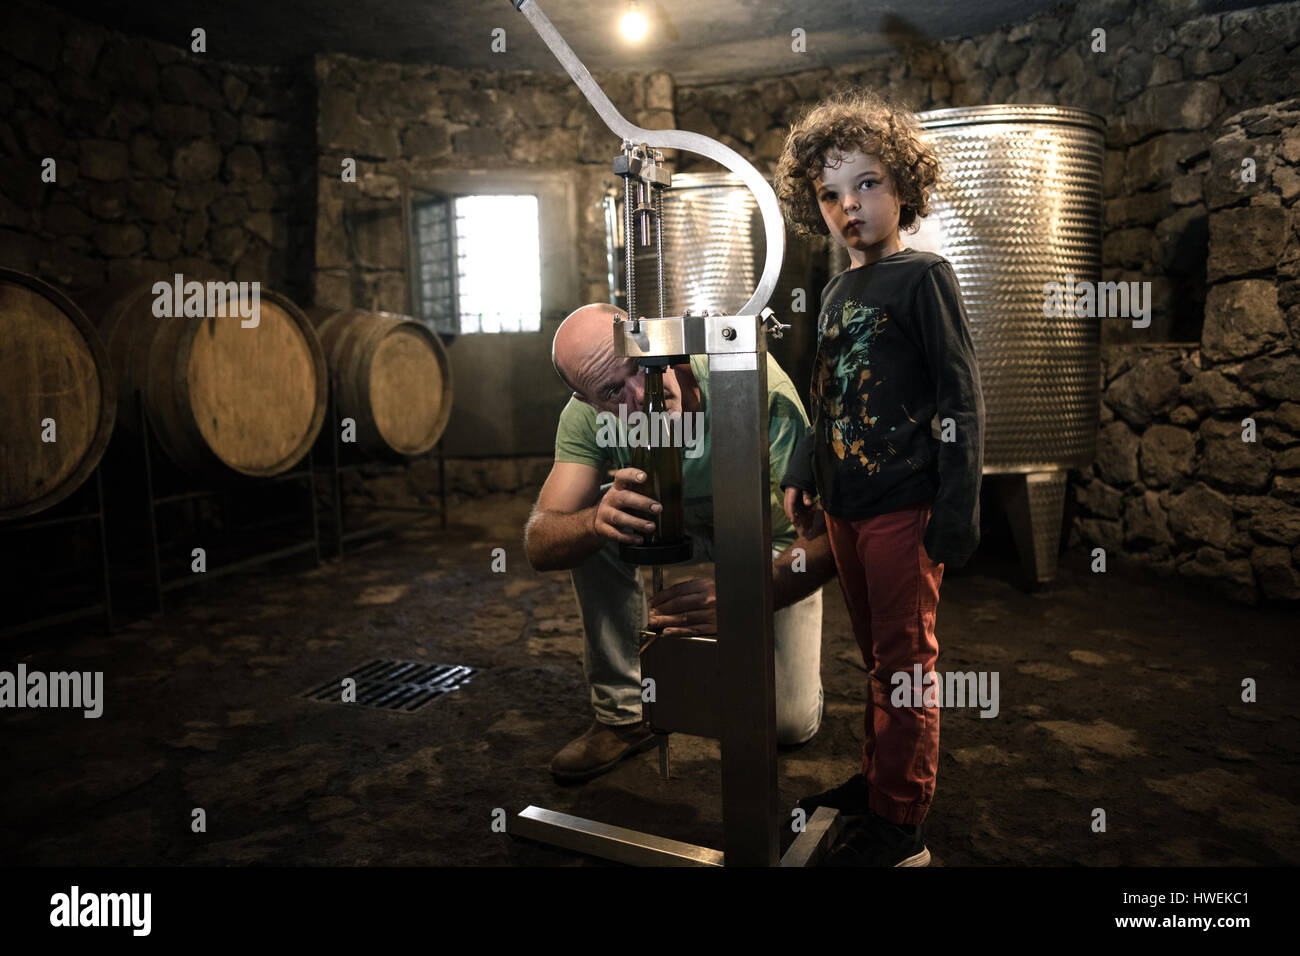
x=1230 y=463
x=1167 y=455
x=1278 y=577
x=103 y=160
x=1117 y=450
x=1149 y=389
x=1190 y=105
x=1232 y=579
x=1212 y=392
x=196 y=161
x=1246 y=240
x=1145 y=522
x=119 y=240
x=244 y=165
x=185 y=84
x=1242 y=320
x=1275 y=376
x=1203 y=515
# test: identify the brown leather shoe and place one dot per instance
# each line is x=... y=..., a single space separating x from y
x=599 y=749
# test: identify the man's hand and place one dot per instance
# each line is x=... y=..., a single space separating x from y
x=685 y=609
x=804 y=513
x=614 y=516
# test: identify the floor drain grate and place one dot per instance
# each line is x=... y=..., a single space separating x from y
x=403 y=686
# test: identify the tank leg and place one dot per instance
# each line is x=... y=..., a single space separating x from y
x=1034 y=504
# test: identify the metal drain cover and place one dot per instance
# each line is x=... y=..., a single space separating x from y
x=403 y=686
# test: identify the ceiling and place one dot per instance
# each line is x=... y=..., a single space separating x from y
x=695 y=40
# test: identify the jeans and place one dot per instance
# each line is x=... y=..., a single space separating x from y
x=891 y=588
x=614 y=612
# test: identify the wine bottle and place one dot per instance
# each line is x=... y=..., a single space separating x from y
x=661 y=461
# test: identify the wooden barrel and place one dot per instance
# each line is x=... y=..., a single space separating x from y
x=391 y=376
x=223 y=397
x=52 y=366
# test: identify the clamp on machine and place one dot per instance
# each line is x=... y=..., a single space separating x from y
x=721 y=687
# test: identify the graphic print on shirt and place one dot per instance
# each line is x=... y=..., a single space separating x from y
x=843 y=382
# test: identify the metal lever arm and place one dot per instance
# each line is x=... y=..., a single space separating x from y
x=773 y=226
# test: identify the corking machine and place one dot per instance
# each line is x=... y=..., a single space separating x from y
x=721 y=687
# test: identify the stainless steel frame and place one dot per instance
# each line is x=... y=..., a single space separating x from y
x=741 y=707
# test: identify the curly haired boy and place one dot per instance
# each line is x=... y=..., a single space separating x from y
x=896 y=449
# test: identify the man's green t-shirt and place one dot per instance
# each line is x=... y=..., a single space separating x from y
x=575 y=441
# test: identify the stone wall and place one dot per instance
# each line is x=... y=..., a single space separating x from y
x=166 y=161
x=417 y=483
x=1198 y=465
x=402 y=123
x=1169 y=78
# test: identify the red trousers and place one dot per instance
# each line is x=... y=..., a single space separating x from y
x=891 y=588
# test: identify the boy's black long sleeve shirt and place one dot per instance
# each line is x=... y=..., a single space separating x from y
x=894 y=352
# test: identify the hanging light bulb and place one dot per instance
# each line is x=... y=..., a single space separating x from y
x=633 y=24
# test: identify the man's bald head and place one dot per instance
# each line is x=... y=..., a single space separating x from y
x=584 y=345
x=583 y=355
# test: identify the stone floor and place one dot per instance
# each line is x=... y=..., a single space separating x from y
x=1116 y=693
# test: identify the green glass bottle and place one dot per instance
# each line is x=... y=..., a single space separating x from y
x=662 y=464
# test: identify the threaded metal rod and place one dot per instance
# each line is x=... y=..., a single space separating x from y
x=629 y=243
x=658 y=201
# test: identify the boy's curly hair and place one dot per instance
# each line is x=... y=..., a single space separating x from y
x=854 y=119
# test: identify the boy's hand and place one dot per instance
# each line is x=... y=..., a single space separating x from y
x=801 y=509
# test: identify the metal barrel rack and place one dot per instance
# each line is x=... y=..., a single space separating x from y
x=227 y=493
x=338 y=462
x=74 y=512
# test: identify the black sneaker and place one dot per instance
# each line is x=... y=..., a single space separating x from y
x=850 y=798
x=874 y=841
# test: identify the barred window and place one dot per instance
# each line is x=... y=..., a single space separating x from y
x=478 y=262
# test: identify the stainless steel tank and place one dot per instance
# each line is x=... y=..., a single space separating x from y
x=714 y=248
x=1018 y=207
x=713 y=245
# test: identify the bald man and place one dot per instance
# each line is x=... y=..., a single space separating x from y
x=580 y=519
